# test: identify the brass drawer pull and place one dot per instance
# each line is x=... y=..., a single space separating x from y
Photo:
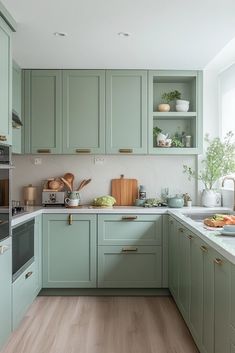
x=70 y=220
x=190 y=237
x=218 y=261
x=3 y=138
x=204 y=248
x=129 y=218
x=129 y=249
x=28 y=274
x=44 y=151
x=83 y=150
x=125 y=150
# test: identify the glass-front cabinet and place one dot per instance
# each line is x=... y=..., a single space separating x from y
x=175 y=112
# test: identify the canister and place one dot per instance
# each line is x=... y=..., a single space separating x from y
x=29 y=194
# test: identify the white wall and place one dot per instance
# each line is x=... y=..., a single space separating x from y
x=153 y=171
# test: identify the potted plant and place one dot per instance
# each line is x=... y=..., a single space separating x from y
x=219 y=161
x=168 y=97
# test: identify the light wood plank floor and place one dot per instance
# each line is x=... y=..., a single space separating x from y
x=102 y=325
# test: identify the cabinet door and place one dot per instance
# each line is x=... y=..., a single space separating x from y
x=185 y=238
x=5 y=285
x=38 y=253
x=43 y=111
x=222 y=285
x=129 y=266
x=16 y=106
x=69 y=251
x=196 y=291
x=83 y=111
x=173 y=259
x=126 y=111
x=5 y=84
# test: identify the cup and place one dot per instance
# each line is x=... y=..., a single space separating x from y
x=71 y=202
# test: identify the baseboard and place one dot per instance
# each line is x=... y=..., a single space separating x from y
x=104 y=292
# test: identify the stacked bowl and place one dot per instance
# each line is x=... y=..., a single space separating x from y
x=182 y=105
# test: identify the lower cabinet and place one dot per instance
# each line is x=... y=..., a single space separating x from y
x=5 y=290
x=201 y=289
x=129 y=266
x=23 y=294
x=69 y=251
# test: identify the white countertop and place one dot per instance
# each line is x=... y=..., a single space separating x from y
x=223 y=244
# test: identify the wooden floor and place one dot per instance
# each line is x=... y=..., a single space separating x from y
x=102 y=325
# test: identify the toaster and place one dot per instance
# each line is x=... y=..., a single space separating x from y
x=50 y=198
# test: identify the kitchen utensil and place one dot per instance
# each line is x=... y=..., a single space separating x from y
x=67 y=184
x=70 y=179
x=175 y=202
x=83 y=183
x=125 y=191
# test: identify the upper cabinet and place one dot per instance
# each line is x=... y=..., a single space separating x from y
x=83 y=111
x=5 y=84
x=179 y=129
x=16 y=108
x=43 y=111
x=126 y=111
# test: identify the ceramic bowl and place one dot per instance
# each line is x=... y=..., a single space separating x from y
x=181 y=101
x=229 y=228
x=182 y=108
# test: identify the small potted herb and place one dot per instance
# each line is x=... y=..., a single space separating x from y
x=168 y=97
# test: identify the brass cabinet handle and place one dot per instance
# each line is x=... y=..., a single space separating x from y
x=125 y=150
x=28 y=274
x=3 y=138
x=3 y=248
x=129 y=249
x=44 y=151
x=204 y=248
x=70 y=220
x=218 y=261
x=181 y=230
x=129 y=218
x=83 y=150
x=190 y=237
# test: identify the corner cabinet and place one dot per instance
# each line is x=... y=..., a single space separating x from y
x=83 y=111
x=43 y=111
x=69 y=251
x=126 y=111
x=176 y=124
x=5 y=84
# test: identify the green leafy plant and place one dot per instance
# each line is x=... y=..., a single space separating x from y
x=171 y=96
x=219 y=161
x=176 y=142
x=156 y=131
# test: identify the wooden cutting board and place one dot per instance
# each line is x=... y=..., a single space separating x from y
x=125 y=191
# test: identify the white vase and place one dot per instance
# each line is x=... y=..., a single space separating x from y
x=210 y=198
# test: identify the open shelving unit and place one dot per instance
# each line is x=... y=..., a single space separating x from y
x=189 y=83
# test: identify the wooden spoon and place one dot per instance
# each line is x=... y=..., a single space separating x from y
x=67 y=184
x=70 y=178
x=83 y=183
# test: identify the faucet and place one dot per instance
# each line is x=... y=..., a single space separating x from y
x=233 y=179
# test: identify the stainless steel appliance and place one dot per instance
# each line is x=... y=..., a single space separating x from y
x=5 y=197
x=22 y=248
x=53 y=198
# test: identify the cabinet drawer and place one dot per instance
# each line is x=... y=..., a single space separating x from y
x=129 y=229
x=23 y=294
x=129 y=266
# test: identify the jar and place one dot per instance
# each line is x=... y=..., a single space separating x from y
x=188 y=141
x=142 y=192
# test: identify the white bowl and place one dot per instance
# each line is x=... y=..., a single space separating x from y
x=181 y=101
x=229 y=228
x=181 y=108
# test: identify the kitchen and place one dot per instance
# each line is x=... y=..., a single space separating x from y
x=79 y=272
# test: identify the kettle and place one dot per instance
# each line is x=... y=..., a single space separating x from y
x=176 y=201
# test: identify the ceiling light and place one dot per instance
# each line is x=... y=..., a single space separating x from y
x=124 y=34
x=60 y=34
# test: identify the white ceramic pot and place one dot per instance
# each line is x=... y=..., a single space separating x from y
x=211 y=198
x=181 y=101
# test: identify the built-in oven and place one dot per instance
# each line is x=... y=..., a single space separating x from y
x=5 y=200
x=22 y=248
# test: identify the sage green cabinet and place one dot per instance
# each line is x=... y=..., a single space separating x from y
x=5 y=84
x=16 y=107
x=126 y=111
x=5 y=285
x=69 y=251
x=129 y=266
x=23 y=294
x=43 y=111
x=38 y=253
x=173 y=258
x=83 y=111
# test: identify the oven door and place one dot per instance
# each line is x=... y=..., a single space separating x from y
x=5 y=216
x=22 y=248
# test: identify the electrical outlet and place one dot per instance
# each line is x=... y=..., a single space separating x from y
x=37 y=161
x=99 y=160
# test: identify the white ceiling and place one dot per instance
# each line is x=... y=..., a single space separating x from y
x=166 y=34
